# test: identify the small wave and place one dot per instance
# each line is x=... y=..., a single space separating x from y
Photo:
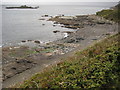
x=65 y=35
x=1 y=46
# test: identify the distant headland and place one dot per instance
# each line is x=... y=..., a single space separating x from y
x=23 y=7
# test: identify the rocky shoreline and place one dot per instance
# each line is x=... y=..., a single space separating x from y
x=88 y=29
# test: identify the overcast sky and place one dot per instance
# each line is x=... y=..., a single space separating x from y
x=60 y=0
x=48 y=1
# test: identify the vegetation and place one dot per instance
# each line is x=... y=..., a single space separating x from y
x=111 y=14
x=23 y=6
x=97 y=66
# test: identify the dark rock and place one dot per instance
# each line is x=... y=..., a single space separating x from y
x=29 y=40
x=37 y=42
x=19 y=61
x=45 y=15
x=43 y=24
x=100 y=22
x=76 y=24
x=61 y=15
x=29 y=61
x=109 y=23
x=13 y=68
x=19 y=71
x=23 y=41
x=66 y=24
x=94 y=39
x=41 y=19
x=38 y=49
x=79 y=38
x=54 y=25
x=71 y=27
x=56 y=31
x=71 y=41
x=23 y=61
x=56 y=22
x=47 y=47
x=107 y=34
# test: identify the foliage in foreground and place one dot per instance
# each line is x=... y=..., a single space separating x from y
x=97 y=66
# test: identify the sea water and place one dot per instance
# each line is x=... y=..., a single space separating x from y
x=24 y=24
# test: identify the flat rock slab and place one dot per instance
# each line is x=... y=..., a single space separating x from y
x=16 y=67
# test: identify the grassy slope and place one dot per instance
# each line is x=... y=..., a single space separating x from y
x=97 y=66
x=111 y=14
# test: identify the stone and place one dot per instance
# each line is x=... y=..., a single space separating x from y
x=100 y=22
x=41 y=19
x=38 y=42
x=79 y=38
x=45 y=15
x=56 y=22
x=56 y=31
x=71 y=41
x=54 y=25
x=13 y=68
x=23 y=41
x=29 y=40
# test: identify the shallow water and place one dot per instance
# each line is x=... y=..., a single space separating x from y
x=24 y=24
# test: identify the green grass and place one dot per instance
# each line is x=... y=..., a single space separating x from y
x=94 y=67
x=110 y=14
x=21 y=53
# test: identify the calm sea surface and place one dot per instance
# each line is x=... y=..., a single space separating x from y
x=24 y=24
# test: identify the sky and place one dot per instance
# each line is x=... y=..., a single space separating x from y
x=48 y=1
x=60 y=0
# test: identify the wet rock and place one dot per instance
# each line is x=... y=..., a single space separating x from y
x=109 y=23
x=68 y=32
x=29 y=61
x=38 y=42
x=74 y=40
x=23 y=41
x=13 y=68
x=107 y=34
x=19 y=71
x=79 y=38
x=23 y=61
x=45 y=15
x=29 y=40
x=56 y=22
x=41 y=19
x=54 y=25
x=100 y=22
x=66 y=24
x=94 y=39
x=71 y=41
x=61 y=15
x=71 y=27
x=43 y=24
x=76 y=24
x=56 y=31
x=38 y=50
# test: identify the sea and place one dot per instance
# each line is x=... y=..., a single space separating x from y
x=23 y=24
